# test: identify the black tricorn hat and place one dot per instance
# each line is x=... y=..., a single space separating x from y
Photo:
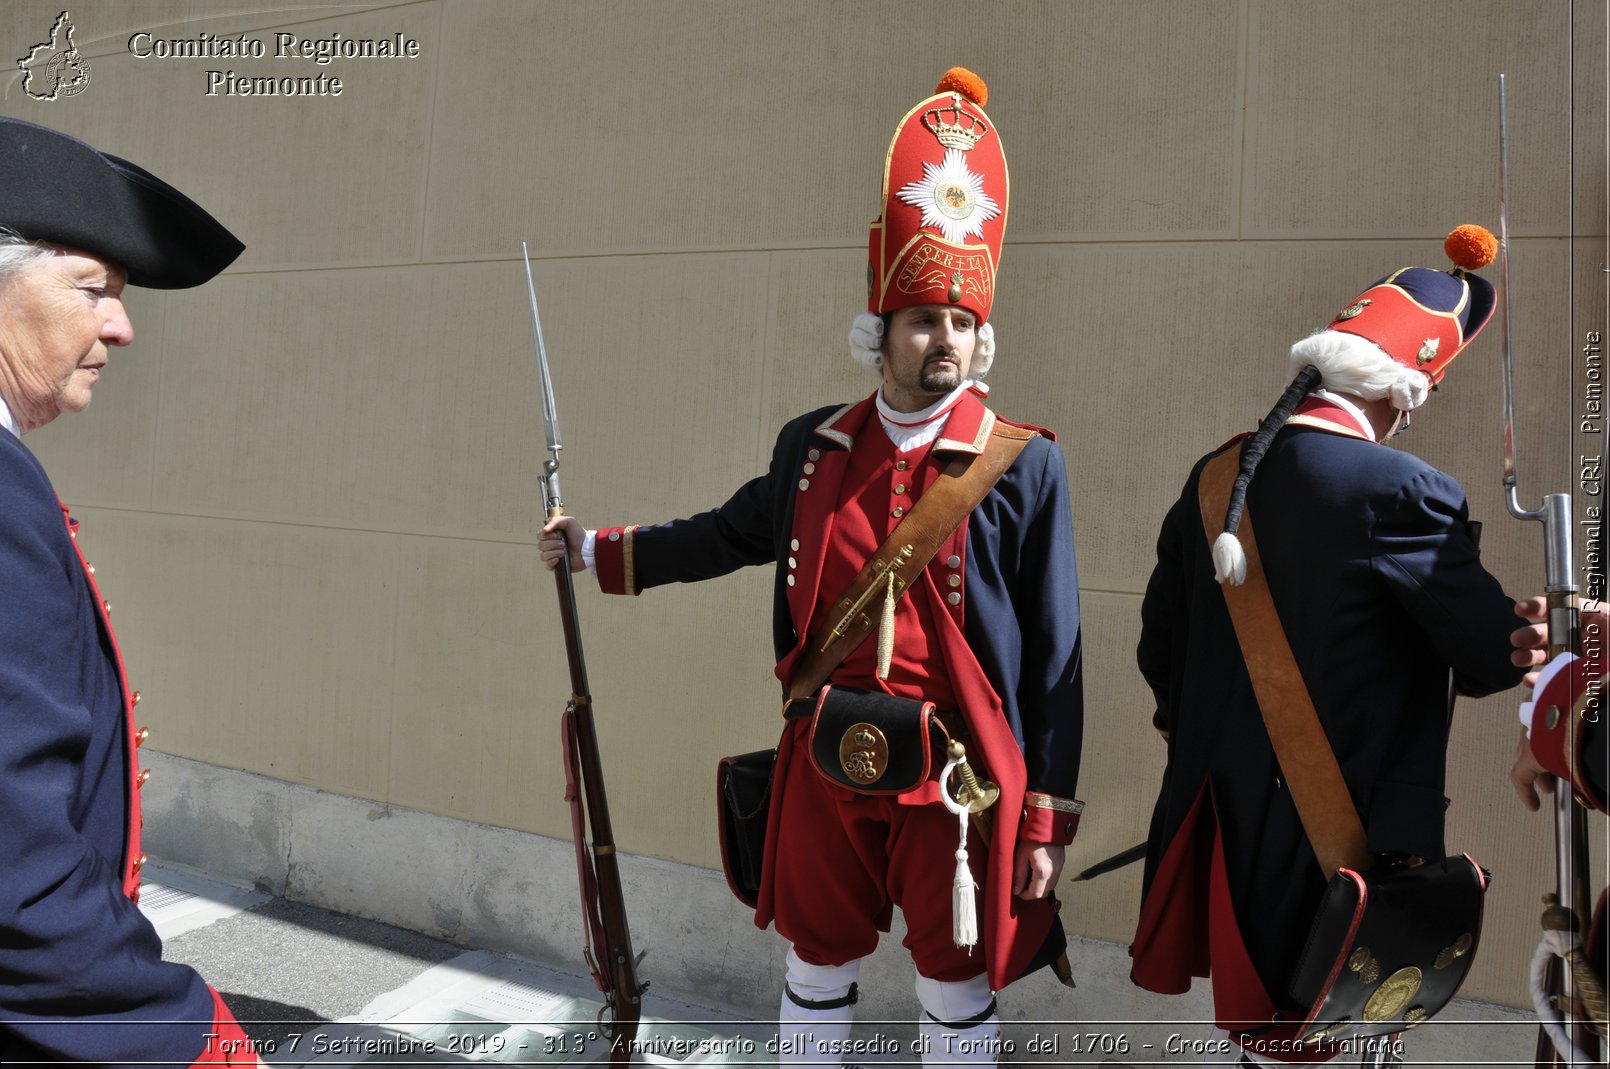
x=55 y=188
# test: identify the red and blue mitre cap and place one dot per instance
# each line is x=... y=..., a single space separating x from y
x=945 y=190
x=1422 y=318
x=57 y=189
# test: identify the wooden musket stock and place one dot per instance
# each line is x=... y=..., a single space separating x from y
x=616 y=972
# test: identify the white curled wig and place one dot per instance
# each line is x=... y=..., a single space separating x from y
x=1355 y=365
x=866 y=341
x=866 y=345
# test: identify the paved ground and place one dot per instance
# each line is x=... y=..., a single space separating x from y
x=322 y=989
x=316 y=988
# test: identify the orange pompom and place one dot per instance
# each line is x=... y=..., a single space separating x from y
x=963 y=81
x=1471 y=247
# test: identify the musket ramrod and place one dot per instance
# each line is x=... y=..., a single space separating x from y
x=1570 y=821
x=608 y=948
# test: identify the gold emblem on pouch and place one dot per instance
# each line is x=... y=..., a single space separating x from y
x=863 y=753
x=1394 y=995
x=1453 y=952
x=1363 y=962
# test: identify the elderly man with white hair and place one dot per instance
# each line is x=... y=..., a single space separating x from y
x=81 y=972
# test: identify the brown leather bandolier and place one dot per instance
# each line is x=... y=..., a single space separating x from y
x=965 y=482
x=1305 y=755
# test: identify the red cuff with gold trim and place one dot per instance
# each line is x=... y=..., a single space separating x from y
x=612 y=560
x=1560 y=715
x=1049 y=819
x=226 y=1044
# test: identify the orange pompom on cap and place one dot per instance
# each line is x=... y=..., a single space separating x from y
x=1472 y=247
x=963 y=81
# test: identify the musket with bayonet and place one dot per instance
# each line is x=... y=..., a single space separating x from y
x=1570 y=821
x=607 y=936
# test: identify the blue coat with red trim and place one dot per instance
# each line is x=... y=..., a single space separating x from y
x=1016 y=664
x=81 y=970
x=1372 y=565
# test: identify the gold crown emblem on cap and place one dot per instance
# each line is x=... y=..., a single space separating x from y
x=962 y=131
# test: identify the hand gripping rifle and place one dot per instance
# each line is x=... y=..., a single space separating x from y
x=1570 y=821
x=608 y=938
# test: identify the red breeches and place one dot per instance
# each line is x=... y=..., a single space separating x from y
x=845 y=859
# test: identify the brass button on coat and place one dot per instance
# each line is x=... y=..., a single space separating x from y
x=954 y=598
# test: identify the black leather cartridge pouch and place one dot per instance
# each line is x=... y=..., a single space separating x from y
x=875 y=743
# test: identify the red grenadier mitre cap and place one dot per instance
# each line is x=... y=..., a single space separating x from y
x=1422 y=318
x=945 y=191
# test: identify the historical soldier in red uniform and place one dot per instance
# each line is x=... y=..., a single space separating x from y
x=987 y=630
x=1372 y=565
x=81 y=971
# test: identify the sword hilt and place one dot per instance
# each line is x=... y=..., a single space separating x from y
x=975 y=795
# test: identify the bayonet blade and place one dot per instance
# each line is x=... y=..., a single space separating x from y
x=550 y=409
x=1503 y=286
x=552 y=501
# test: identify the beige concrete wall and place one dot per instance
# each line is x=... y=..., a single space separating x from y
x=310 y=487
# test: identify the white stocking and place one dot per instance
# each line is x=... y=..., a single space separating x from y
x=814 y=1034
x=959 y=1025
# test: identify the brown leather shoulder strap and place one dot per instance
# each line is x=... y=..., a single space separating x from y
x=938 y=512
x=1305 y=755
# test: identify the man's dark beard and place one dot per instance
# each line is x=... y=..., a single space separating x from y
x=940 y=379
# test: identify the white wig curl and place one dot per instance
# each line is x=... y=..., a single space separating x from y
x=866 y=341
x=1355 y=365
x=866 y=345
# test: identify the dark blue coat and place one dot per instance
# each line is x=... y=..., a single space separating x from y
x=1373 y=568
x=73 y=945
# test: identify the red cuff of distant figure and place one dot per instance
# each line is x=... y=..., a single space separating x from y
x=1049 y=819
